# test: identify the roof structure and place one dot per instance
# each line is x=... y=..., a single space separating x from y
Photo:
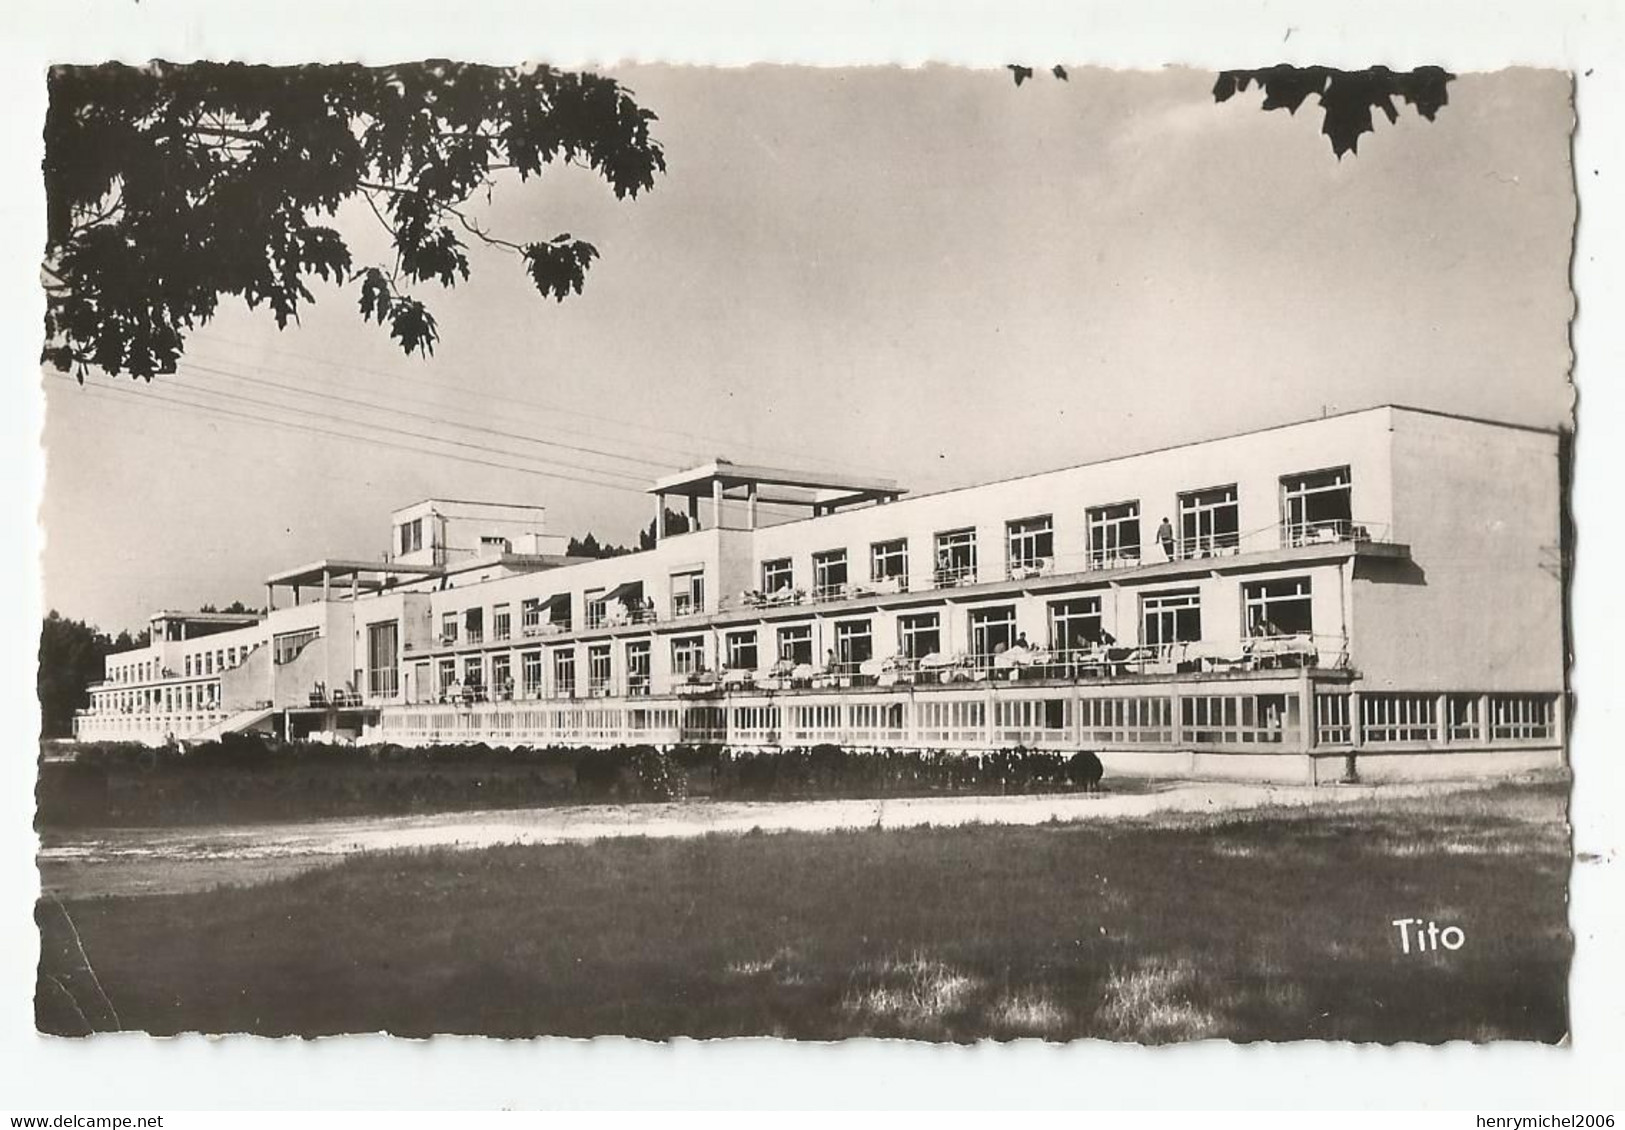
x=822 y=491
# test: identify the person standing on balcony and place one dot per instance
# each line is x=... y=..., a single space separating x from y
x=1165 y=535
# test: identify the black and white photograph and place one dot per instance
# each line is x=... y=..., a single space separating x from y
x=1040 y=552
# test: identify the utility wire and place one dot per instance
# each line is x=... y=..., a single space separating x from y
x=148 y=397
x=538 y=404
x=372 y=406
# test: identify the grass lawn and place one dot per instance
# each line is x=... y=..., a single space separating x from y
x=1270 y=924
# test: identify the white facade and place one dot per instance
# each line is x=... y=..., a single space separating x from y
x=1383 y=580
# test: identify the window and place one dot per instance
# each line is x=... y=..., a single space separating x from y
x=956 y=558
x=688 y=593
x=287 y=646
x=496 y=542
x=188 y=665
x=412 y=536
x=599 y=669
x=501 y=622
x=795 y=643
x=382 y=674
x=1171 y=617
x=1114 y=534
x=1209 y=522
x=474 y=625
x=829 y=572
x=1317 y=506
x=1031 y=543
x=741 y=651
x=501 y=676
x=596 y=608
x=854 y=644
x=688 y=655
x=448 y=675
x=530 y=616
x=564 y=673
x=474 y=671
x=888 y=563
x=919 y=635
x=208 y=663
x=776 y=575
x=448 y=628
x=1522 y=717
x=637 y=667
x=1074 y=624
x=992 y=630
x=1278 y=608
x=530 y=668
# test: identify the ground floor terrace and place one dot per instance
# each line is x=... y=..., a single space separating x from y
x=1288 y=725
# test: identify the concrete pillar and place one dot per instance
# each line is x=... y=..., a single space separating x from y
x=1484 y=719
x=750 y=506
x=660 y=517
x=327 y=586
x=716 y=503
x=355 y=586
x=693 y=512
x=1441 y=719
x=270 y=597
x=1356 y=729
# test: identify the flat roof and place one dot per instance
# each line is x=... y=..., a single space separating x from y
x=208 y=617
x=340 y=567
x=795 y=485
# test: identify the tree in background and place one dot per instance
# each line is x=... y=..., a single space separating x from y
x=171 y=185
x=70 y=659
x=676 y=523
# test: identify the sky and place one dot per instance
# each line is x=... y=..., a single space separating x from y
x=929 y=274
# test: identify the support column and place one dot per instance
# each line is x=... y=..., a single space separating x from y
x=716 y=503
x=693 y=512
x=1441 y=719
x=1356 y=720
x=750 y=506
x=1483 y=719
x=327 y=586
x=270 y=598
x=660 y=517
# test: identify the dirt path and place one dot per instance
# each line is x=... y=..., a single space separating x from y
x=167 y=860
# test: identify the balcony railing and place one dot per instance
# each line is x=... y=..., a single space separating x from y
x=953 y=576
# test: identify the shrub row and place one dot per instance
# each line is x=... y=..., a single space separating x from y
x=245 y=779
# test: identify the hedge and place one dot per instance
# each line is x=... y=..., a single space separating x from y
x=246 y=778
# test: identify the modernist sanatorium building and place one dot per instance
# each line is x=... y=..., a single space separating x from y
x=1384 y=584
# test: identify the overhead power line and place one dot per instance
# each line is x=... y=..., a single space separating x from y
x=147 y=396
x=548 y=406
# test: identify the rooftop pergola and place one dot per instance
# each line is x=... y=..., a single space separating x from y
x=822 y=492
x=362 y=576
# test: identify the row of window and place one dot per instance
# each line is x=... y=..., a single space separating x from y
x=626 y=604
x=1209 y=523
x=192 y=665
x=1236 y=719
x=1387 y=718
x=1280 y=606
x=158 y=700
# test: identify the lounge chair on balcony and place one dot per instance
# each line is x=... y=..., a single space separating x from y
x=737 y=679
x=802 y=674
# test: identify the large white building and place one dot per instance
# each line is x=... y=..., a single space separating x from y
x=1385 y=585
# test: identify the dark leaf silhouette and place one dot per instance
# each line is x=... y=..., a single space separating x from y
x=171 y=186
x=1346 y=97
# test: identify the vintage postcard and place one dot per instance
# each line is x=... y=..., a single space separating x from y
x=938 y=554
